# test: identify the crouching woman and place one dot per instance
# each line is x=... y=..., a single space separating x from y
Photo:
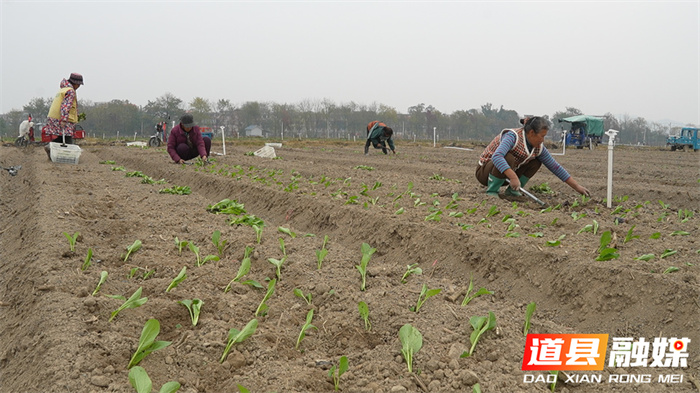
x=516 y=155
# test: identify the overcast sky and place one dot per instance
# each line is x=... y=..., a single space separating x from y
x=626 y=58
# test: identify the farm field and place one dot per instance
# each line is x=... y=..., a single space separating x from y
x=422 y=206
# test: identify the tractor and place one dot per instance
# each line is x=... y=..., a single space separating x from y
x=586 y=131
x=688 y=138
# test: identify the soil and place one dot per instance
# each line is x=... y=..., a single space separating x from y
x=58 y=337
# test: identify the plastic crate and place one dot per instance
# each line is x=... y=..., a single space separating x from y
x=265 y=151
x=66 y=154
x=209 y=134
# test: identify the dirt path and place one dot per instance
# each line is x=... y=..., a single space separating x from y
x=58 y=337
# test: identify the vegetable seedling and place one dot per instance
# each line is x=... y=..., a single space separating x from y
x=227 y=206
x=88 y=259
x=262 y=308
x=307 y=326
x=218 y=243
x=528 y=314
x=284 y=250
x=72 y=239
x=320 y=256
x=411 y=342
x=307 y=298
x=180 y=245
x=258 y=233
x=243 y=269
x=480 y=326
x=278 y=264
x=671 y=269
x=147 y=343
x=194 y=307
x=287 y=231
x=364 y=314
x=134 y=301
x=468 y=297
x=236 y=336
x=178 y=279
x=103 y=278
x=645 y=257
x=411 y=269
x=424 y=295
x=139 y=380
x=342 y=368
x=667 y=253
x=132 y=249
x=176 y=190
x=367 y=252
x=629 y=235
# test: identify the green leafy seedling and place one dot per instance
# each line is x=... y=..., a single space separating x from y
x=141 y=382
x=278 y=265
x=236 y=336
x=307 y=298
x=306 y=327
x=134 y=301
x=468 y=297
x=180 y=245
x=71 y=239
x=258 y=233
x=132 y=249
x=424 y=295
x=243 y=269
x=103 y=278
x=284 y=250
x=411 y=342
x=364 y=314
x=287 y=231
x=667 y=253
x=178 y=279
x=321 y=254
x=480 y=325
x=629 y=235
x=671 y=269
x=194 y=307
x=262 y=307
x=645 y=257
x=147 y=343
x=341 y=369
x=218 y=243
x=88 y=260
x=367 y=252
x=411 y=269
x=528 y=315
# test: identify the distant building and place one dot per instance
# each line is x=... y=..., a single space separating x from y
x=253 y=130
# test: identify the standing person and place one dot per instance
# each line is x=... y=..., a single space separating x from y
x=165 y=130
x=378 y=134
x=186 y=141
x=517 y=154
x=63 y=113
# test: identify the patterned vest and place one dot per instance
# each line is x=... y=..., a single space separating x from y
x=55 y=110
x=520 y=151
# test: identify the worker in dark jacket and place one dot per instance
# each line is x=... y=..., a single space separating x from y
x=379 y=135
x=186 y=141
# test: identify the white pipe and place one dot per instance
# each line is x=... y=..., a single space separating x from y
x=223 y=137
x=434 y=128
x=611 y=143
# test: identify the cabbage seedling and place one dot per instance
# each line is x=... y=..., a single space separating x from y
x=307 y=298
x=480 y=326
x=180 y=245
x=178 y=279
x=103 y=278
x=671 y=269
x=278 y=264
x=528 y=314
x=667 y=253
x=287 y=231
x=629 y=235
x=284 y=250
x=468 y=297
x=134 y=301
x=218 y=243
x=424 y=295
x=258 y=232
x=71 y=239
x=412 y=342
x=307 y=326
x=411 y=269
x=342 y=368
x=367 y=252
x=645 y=257
x=262 y=308
x=236 y=336
x=320 y=255
x=194 y=306
x=132 y=249
x=139 y=380
x=243 y=269
x=364 y=313
x=88 y=259
x=147 y=343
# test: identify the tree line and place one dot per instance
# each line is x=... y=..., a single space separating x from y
x=317 y=119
